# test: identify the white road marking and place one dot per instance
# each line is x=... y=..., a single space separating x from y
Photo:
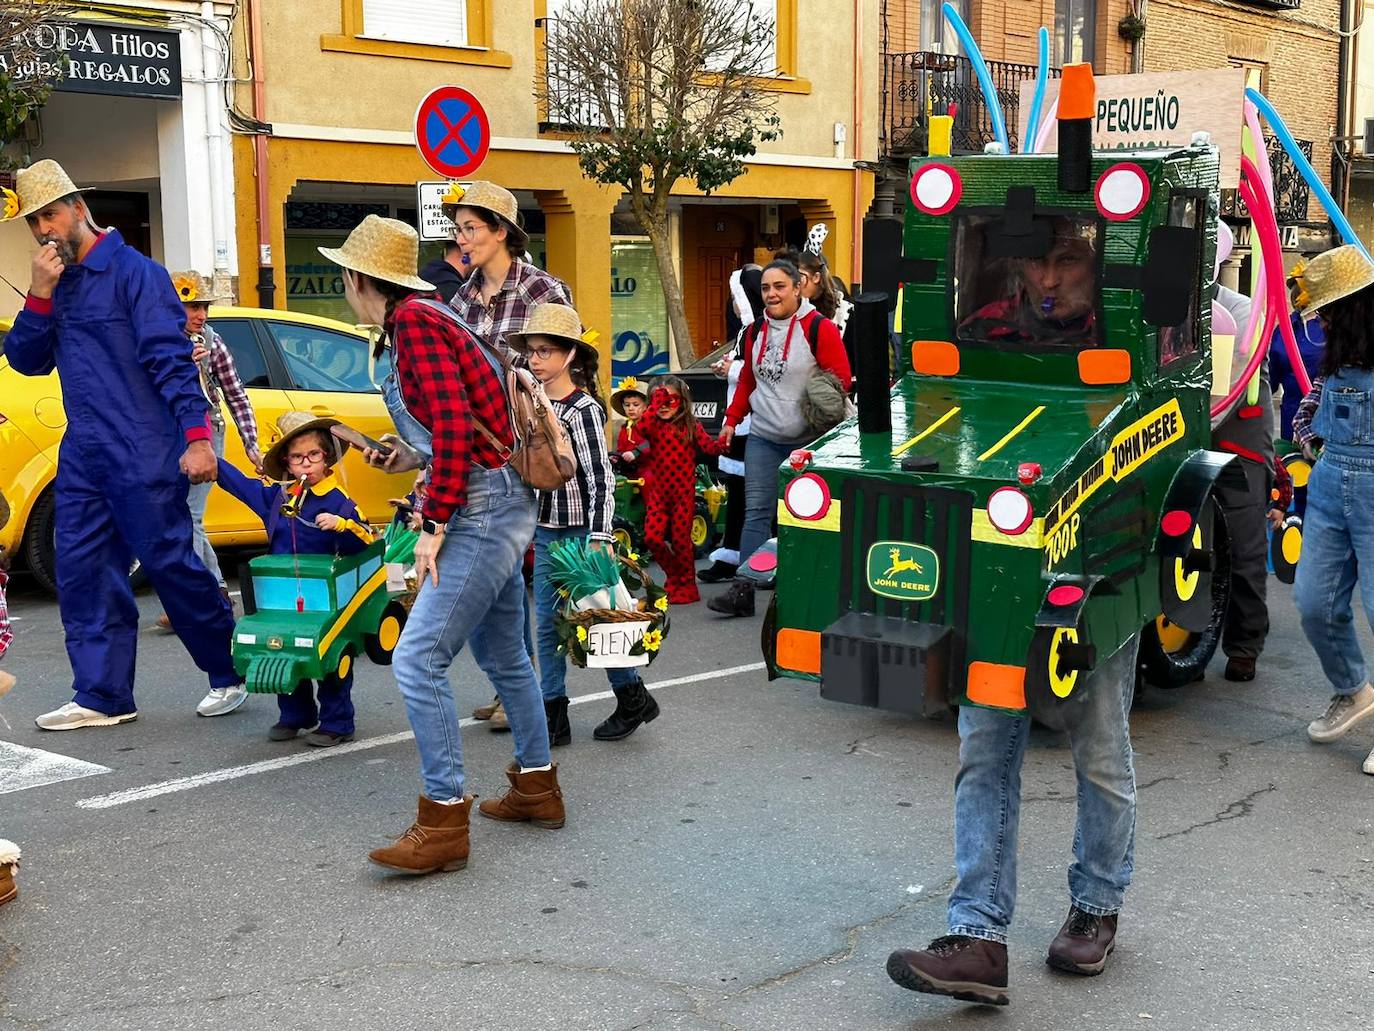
x=201 y=780
x=22 y=767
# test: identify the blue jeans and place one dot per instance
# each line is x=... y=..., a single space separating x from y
x=761 y=460
x=197 y=498
x=408 y=428
x=552 y=664
x=480 y=600
x=987 y=804
x=1337 y=542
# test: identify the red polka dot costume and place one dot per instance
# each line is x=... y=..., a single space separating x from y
x=670 y=492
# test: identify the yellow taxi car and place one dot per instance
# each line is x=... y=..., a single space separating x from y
x=288 y=361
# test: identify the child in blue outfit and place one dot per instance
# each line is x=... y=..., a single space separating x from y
x=323 y=520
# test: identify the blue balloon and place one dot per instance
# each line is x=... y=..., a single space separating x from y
x=1042 y=74
x=980 y=68
x=1304 y=166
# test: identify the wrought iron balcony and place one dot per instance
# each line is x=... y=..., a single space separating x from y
x=1291 y=191
x=918 y=84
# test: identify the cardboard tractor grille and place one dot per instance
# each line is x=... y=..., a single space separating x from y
x=1038 y=488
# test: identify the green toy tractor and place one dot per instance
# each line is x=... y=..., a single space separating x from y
x=708 y=519
x=307 y=616
x=1037 y=486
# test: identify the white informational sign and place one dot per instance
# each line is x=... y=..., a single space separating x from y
x=430 y=203
x=608 y=645
x=1158 y=110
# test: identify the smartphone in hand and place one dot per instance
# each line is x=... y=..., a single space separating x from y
x=361 y=441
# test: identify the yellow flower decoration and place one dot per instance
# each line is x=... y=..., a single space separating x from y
x=652 y=640
x=582 y=633
x=633 y=556
x=628 y=383
x=591 y=336
x=12 y=204
x=661 y=604
x=455 y=193
x=187 y=288
x=1304 y=297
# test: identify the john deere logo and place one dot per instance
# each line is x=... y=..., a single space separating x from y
x=907 y=572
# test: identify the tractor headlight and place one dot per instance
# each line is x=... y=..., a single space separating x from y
x=807 y=497
x=247 y=638
x=1010 y=511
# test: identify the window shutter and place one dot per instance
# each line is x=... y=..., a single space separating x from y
x=435 y=22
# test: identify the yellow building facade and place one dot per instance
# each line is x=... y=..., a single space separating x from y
x=339 y=81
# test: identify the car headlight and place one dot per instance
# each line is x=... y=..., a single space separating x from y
x=247 y=638
x=1010 y=511
x=807 y=497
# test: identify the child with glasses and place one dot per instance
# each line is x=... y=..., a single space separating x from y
x=309 y=513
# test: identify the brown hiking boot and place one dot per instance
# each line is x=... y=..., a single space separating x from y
x=437 y=840
x=1083 y=943
x=485 y=712
x=535 y=797
x=971 y=969
x=498 y=723
x=8 y=889
x=1240 y=668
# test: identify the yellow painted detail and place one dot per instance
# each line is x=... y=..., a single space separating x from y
x=345 y=665
x=1301 y=471
x=389 y=633
x=1145 y=438
x=1062 y=685
x=1185 y=584
x=1012 y=435
x=983 y=530
x=1172 y=637
x=700 y=530
x=374 y=583
x=898 y=452
x=1292 y=545
x=830 y=521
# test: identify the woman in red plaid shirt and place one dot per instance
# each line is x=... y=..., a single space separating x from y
x=477 y=520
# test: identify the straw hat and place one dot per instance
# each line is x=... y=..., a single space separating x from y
x=554 y=320
x=292 y=425
x=1330 y=276
x=488 y=197
x=384 y=249
x=193 y=288
x=36 y=187
x=629 y=387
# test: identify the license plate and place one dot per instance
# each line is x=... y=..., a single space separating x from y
x=704 y=409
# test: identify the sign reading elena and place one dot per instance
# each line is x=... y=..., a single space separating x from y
x=608 y=645
x=901 y=570
x=1161 y=110
x=117 y=60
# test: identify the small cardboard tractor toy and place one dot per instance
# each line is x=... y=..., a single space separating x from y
x=307 y=616
x=708 y=517
x=1037 y=486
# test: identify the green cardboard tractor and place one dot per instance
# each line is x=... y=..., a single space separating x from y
x=708 y=520
x=307 y=616
x=1036 y=487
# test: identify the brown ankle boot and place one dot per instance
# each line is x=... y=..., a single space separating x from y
x=535 y=797
x=8 y=889
x=437 y=840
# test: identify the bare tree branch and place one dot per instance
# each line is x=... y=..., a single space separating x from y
x=31 y=61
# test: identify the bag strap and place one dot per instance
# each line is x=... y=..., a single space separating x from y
x=499 y=366
x=813 y=330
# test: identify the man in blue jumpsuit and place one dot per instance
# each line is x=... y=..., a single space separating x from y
x=107 y=319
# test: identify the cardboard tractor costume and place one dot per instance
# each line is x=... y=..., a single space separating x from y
x=708 y=516
x=1037 y=486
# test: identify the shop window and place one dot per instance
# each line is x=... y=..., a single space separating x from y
x=1024 y=291
x=453 y=31
x=936 y=35
x=1180 y=341
x=1075 y=29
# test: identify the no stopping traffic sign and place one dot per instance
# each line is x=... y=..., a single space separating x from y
x=452 y=132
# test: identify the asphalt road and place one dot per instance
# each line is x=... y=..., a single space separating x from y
x=747 y=861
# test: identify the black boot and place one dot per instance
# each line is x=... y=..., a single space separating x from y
x=560 y=730
x=718 y=573
x=633 y=705
x=737 y=601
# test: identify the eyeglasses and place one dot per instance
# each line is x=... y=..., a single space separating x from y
x=545 y=354
x=468 y=230
x=310 y=456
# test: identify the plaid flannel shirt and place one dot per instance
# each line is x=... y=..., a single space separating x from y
x=1307 y=409
x=226 y=384
x=525 y=286
x=447 y=382
x=588 y=499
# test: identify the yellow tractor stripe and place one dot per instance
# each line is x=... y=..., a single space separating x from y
x=378 y=579
x=1011 y=436
x=925 y=433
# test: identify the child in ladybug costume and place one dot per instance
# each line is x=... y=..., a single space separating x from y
x=673 y=436
x=629 y=403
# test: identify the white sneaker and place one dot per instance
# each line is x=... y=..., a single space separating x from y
x=1344 y=712
x=222 y=700
x=71 y=716
x=1368 y=766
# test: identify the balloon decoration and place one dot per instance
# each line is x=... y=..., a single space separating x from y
x=1042 y=74
x=980 y=68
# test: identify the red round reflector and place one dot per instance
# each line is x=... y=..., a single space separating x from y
x=1065 y=594
x=1176 y=523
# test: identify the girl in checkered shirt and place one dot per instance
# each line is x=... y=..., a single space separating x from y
x=564 y=360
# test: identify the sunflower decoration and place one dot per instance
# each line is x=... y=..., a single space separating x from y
x=600 y=588
x=455 y=193
x=1304 y=297
x=628 y=383
x=590 y=337
x=187 y=288
x=11 y=201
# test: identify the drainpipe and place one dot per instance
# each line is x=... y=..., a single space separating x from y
x=214 y=138
x=856 y=230
x=266 y=286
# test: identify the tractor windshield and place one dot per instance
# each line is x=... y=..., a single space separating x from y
x=1026 y=283
x=279 y=593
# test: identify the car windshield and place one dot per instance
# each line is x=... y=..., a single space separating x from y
x=1026 y=285
x=279 y=594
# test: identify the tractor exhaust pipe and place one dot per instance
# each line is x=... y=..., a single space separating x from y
x=871 y=351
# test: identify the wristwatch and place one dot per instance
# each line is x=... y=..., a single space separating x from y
x=430 y=527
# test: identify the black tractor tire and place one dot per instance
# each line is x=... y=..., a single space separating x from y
x=1172 y=657
x=39 y=548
